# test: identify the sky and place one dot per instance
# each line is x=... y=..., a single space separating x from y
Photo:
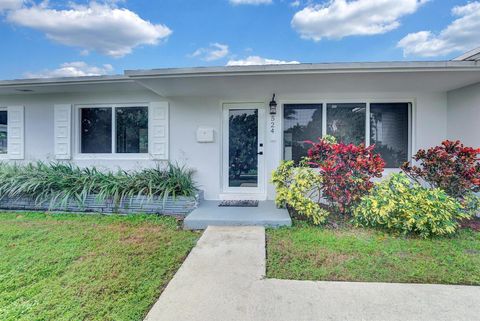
x=81 y=38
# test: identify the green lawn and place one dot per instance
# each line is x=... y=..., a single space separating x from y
x=90 y=267
x=313 y=253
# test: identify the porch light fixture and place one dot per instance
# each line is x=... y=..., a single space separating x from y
x=273 y=106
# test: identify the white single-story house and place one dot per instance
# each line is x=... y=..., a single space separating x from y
x=222 y=122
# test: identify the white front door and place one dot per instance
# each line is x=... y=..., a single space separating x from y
x=243 y=148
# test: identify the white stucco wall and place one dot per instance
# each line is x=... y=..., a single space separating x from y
x=186 y=114
x=189 y=113
x=429 y=120
x=464 y=115
x=39 y=129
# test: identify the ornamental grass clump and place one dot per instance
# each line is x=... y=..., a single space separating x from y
x=59 y=183
x=400 y=205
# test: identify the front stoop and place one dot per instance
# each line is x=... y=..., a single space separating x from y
x=210 y=214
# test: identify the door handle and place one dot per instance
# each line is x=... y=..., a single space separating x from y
x=260 y=153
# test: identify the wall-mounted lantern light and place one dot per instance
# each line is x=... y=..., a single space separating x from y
x=273 y=106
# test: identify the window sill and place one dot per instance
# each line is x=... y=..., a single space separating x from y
x=126 y=157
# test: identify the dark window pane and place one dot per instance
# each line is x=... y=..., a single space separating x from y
x=96 y=126
x=389 y=132
x=132 y=129
x=3 y=131
x=301 y=122
x=346 y=122
x=242 y=151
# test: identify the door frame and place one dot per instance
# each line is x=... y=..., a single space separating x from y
x=243 y=192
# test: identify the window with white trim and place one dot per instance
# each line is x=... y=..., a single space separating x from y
x=3 y=131
x=346 y=122
x=389 y=132
x=301 y=122
x=114 y=130
x=385 y=124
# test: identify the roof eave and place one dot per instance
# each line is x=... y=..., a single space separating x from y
x=327 y=68
x=367 y=67
x=64 y=81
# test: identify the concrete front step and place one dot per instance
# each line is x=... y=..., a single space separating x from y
x=210 y=214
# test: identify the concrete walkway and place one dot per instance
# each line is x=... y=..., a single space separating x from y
x=223 y=279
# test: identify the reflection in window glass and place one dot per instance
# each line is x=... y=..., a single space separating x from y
x=302 y=122
x=3 y=131
x=242 y=148
x=346 y=122
x=389 y=132
x=132 y=129
x=96 y=127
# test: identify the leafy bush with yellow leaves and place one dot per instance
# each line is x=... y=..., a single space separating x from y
x=296 y=187
x=401 y=205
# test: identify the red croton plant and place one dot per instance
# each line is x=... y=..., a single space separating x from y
x=346 y=171
x=451 y=167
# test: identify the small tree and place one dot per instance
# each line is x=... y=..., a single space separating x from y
x=451 y=167
x=346 y=171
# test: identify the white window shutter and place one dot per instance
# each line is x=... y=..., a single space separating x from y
x=158 y=138
x=63 y=131
x=16 y=132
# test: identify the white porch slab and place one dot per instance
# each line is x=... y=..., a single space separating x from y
x=223 y=278
x=210 y=214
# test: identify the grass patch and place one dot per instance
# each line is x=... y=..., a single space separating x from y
x=86 y=267
x=354 y=254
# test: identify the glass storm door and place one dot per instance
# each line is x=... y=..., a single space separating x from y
x=243 y=148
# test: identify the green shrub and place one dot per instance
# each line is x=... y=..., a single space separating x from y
x=346 y=171
x=453 y=167
x=58 y=183
x=398 y=204
x=296 y=187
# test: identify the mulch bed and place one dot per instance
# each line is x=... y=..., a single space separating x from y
x=474 y=224
x=334 y=220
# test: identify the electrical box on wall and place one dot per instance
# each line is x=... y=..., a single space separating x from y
x=205 y=135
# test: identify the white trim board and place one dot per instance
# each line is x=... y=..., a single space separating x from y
x=368 y=101
x=258 y=192
x=76 y=139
